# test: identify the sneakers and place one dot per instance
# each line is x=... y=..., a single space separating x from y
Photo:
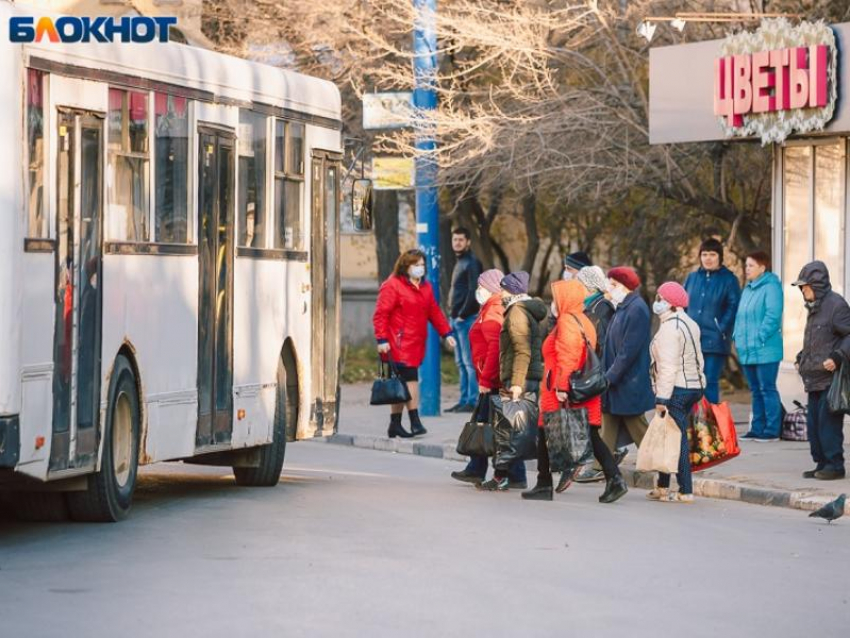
x=765 y=439
x=538 y=493
x=494 y=485
x=589 y=475
x=657 y=494
x=567 y=478
x=678 y=497
x=465 y=477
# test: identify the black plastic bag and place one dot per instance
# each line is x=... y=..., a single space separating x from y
x=838 y=397
x=568 y=438
x=515 y=429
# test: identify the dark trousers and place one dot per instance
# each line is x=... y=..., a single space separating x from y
x=826 y=433
x=680 y=406
x=714 y=364
x=600 y=452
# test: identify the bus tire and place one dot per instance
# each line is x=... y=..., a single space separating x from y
x=40 y=507
x=110 y=491
x=267 y=473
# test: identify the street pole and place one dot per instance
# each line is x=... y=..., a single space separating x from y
x=427 y=207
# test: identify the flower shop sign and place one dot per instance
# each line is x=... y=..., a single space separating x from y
x=776 y=81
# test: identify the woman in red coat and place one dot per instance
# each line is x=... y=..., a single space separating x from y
x=564 y=352
x=405 y=305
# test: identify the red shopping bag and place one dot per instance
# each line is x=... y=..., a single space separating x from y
x=712 y=437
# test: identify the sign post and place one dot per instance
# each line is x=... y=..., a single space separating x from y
x=427 y=207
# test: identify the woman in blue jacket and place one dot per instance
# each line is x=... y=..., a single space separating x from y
x=758 y=338
x=713 y=292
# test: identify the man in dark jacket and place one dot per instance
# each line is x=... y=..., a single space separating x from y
x=463 y=308
x=826 y=344
x=626 y=362
x=714 y=293
x=520 y=364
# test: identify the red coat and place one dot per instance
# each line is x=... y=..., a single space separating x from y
x=484 y=341
x=401 y=318
x=564 y=350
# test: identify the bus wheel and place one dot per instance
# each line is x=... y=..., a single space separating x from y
x=110 y=491
x=40 y=507
x=267 y=473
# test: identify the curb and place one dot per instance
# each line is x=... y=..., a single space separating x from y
x=705 y=487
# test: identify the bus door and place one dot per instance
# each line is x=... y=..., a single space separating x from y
x=215 y=303
x=78 y=289
x=325 y=285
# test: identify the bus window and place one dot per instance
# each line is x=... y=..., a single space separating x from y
x=37 y=225
x=171 y=163
x=128 y=174
x=288 y=177
x=252 y=179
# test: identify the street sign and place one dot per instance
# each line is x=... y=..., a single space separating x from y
x=387 y=110
x=393 y=173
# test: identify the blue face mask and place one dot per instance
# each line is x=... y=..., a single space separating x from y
x=417 y=272
x=660 y=307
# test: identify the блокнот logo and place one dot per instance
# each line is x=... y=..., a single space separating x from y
x=99 y=29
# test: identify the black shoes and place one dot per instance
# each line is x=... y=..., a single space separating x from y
x=397 y=430
x=517 y=485
x=810 y=474
x=462 y=407
x=538 y=493
x=494 y=485
x=615 y=488
x=566 y=479
x=829 y=475
x=417 y=429
x=464 y=477
x=455 y=408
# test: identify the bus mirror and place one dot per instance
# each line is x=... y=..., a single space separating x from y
x=362 y=204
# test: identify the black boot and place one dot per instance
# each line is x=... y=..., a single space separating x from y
x=538 y=493
x=415 y=424
x=396 y=429
x=615 y=488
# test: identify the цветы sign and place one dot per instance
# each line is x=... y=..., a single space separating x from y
x=776 y=81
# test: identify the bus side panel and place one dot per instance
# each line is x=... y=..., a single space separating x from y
x=11 y=225
x=151 y=303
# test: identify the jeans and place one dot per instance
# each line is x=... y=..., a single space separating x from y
x=680 y=405
x=767 y=408
x=826 y=433
x=463 y=359
x=713 y=369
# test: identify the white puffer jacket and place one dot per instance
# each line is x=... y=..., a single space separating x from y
x=676 y=356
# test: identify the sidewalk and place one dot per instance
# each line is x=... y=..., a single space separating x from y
x=764 y=473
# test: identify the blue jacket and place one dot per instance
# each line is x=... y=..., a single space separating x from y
x=713 y=304
x=758 y=327
x=626 y=359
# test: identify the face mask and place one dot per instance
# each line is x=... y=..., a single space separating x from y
x=567 y=276
x=482 y=295
x=660 y=307
x=417 y=272
x=554 y=309
x=618 y=294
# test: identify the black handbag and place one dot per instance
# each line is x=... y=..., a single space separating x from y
x=838 y=397
x=477 y=438
x=389 y=388
x=590 y=381
x=567 y=438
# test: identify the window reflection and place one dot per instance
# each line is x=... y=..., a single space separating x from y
x=128 y=183
x=172 y=166
x=797 y=242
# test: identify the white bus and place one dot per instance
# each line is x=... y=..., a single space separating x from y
x=169 y=279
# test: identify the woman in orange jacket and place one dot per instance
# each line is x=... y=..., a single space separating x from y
x=564 y=352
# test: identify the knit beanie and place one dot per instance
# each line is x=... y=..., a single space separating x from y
x=490 y=279
x=577 y=260
x=673 y=293
x=593 y=278
x=515 y=283
x=626 y=276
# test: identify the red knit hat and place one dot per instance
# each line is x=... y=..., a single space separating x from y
x=626 y=276
x=673 y=293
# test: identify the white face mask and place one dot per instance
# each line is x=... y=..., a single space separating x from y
x=660 y=307
x=618 y=294
x=554 y=309
x=482 y=295
x=417 y=272
x=567 y=275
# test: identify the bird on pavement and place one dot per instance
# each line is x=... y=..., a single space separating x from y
x=831 y=511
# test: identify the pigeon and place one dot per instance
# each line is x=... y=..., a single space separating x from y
x=831 y=511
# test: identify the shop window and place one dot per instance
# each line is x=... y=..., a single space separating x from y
x=171 y=162
x=829 y=211
x=128 y=174
x=252 y=179
x=288 y=181
x=37 y=218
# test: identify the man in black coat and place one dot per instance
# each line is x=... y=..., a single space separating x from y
x=463 y=309
x=826 y=344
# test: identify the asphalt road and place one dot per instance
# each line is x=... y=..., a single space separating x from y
x=360 y=543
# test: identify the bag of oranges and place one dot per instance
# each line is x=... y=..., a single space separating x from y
x=712 y=438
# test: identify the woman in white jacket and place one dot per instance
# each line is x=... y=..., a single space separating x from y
x=677 y=373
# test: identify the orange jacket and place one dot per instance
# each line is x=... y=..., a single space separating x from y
x=564 y=350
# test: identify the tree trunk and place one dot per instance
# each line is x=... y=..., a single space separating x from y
x=386 y=231
x=529 y=215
